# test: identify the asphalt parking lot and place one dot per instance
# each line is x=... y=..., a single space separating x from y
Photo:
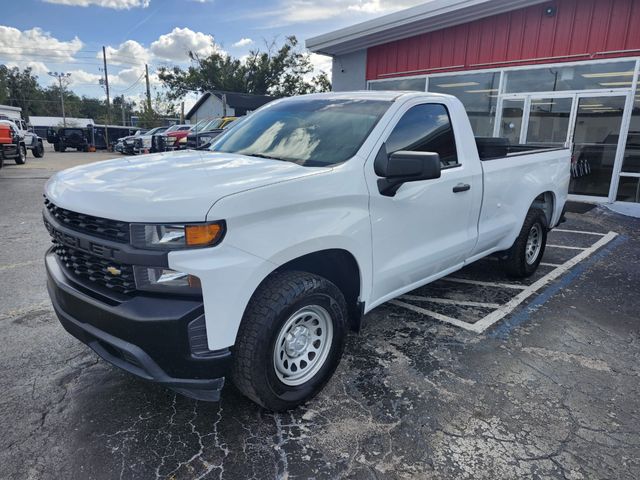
x=474 y=376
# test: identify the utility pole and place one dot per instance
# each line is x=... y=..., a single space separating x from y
x=106 y=86
x=146 y=74
x=182 y=112
x=60 y=76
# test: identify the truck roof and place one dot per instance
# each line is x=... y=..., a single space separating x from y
x=384 y=95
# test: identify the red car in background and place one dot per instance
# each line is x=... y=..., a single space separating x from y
x=174 y=134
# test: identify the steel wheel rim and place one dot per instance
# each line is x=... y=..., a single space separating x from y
x=303 y=345
x=534 y=244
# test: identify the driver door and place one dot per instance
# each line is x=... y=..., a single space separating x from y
x=429 y=226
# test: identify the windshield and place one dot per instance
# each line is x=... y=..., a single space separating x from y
x=198 y=126
x=314 y=133
x=213 y=124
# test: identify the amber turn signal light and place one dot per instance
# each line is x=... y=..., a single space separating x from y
x=203 y=235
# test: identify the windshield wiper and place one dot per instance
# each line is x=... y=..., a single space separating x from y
x=262 y=155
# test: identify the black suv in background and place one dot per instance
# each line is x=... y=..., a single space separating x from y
x=64 y=138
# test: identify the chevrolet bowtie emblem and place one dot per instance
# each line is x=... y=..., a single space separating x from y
x=114 y=271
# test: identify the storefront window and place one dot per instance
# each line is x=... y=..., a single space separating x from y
x=417 y=84
x=477 y=92
x=578 y=77
x=629 y=189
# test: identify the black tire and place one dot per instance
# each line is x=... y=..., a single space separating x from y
x=38 y=150
x=275 y=304
x=518 y=263
x=56 y=147
x=61 y=147
x=21 y=159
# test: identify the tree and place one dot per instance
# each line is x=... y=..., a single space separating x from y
x=123 y=108
x=161 y=106
x=20 y=89
x=279 y=72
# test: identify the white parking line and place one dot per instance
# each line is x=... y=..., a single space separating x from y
x=507 y=308
x=437 y=316
x=484 y=284
x=446 y=301
x=565 y=246
x=545 y=264
x=503 y=310
x=578 y=231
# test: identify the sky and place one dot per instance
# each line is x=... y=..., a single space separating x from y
x=68 y=35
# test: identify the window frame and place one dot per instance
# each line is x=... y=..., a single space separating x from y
x=408 y=108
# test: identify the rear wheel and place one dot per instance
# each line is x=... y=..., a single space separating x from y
x=61 y=147
x=290 y=340
x=525 y=255
x=21 y=159
x=38 y=150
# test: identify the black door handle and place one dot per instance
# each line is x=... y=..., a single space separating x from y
x=461 y=187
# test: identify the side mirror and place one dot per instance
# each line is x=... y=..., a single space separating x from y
x=404 y=166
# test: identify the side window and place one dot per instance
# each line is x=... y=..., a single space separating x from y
x=425 y=128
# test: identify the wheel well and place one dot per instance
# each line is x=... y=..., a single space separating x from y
x=545 y=202
x=341 y=268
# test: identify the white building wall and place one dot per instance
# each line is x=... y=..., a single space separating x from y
x=349 y=72
x=212 y=107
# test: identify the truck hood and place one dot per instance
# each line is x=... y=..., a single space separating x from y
x=165 y=187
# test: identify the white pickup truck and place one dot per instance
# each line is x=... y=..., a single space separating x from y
x=253 y=260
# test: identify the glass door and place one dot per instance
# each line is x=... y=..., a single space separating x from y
x=512 y=119
x=549 y=121
x=628 y=189
x=598 y=122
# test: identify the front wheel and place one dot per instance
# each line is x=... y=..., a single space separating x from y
x=290 y=340
x=525 y=255
x=21 y=159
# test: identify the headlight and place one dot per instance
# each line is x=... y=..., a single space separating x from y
x=146 y=142
x=176 y=237
x=160 y=279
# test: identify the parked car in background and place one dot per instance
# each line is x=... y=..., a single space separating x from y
x=12 y=146
x=32 y=141
x=253 y=260
x=149 y=142
x=70 y=137
x=173 y=135
x=126 y=145
x=204 y=135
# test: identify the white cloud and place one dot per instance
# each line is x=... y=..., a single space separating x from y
x=83 y=77
x=176 y=44
x=321 y=63
x=115 y=4
x=127 y=52
x=243 y=42
x=302 y=11
x=30 y=44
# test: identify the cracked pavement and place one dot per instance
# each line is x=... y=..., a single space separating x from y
x=553 y=393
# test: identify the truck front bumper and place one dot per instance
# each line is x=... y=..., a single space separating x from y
x=155 y=338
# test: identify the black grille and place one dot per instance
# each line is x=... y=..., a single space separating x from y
x=114 y=276
x=95 y=226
